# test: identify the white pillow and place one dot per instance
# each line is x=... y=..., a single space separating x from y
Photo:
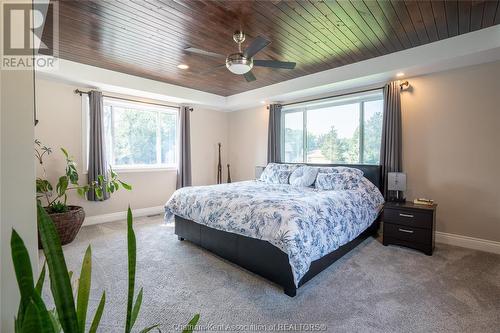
x=304 y=176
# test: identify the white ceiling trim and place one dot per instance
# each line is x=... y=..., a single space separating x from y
x=464 y=50
x=120 y=83
x=473 y=48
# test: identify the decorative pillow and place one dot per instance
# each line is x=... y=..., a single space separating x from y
x=283 y=177
x=273 y=173
x=341 y=169
x=303 y=176
x=336 y=181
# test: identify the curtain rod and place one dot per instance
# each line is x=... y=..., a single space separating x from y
x=80 y=92
x=404 y=83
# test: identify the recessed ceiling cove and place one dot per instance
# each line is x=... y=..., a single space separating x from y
x=151 y=39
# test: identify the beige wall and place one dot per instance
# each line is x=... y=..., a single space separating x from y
x=451 y=147
x=450 y=137
x=451 y=140
x=59 y=112
x=248 y=141
x=208 y=128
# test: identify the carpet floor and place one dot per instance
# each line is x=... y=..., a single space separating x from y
x=371 y=289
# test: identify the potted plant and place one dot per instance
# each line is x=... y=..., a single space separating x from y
x=69 y=218
x=70 y=312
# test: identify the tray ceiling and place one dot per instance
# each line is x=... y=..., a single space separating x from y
x=149 y=38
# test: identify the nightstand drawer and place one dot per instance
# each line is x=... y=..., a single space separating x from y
x=411 y=218
x=407 y=233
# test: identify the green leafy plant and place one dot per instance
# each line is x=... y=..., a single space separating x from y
x=68 y=316
x=57 y=201
x=59 y=207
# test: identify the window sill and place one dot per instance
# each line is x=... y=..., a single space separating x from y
x=141 y=170
x=146 y=169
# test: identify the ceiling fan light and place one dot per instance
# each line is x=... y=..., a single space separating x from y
x=238 y=64
x=239 y=68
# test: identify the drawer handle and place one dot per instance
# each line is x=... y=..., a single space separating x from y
x=406 y=215
x=406 y=230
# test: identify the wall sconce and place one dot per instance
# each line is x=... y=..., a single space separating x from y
x=405 y=85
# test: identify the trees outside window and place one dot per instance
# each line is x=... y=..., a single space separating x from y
x=348 y=133
x=139 y=134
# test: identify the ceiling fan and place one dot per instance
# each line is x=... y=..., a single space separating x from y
x=242 y=62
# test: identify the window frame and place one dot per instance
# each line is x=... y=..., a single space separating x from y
x=304 y=107
x=142 y=106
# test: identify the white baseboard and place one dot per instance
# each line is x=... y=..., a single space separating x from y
x=468 y=242
x=123 y=215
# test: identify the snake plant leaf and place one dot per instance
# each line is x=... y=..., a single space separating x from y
x=137 y=307
x=41 y=280
x=45 y=319
x=56 y=325
x=131 y=245
x=24 y=273
x=32 y=321
x=82 y=300
x=192 y=324
x=58 y=273
x=32 y=310
x=147 y=329
x=98 y=314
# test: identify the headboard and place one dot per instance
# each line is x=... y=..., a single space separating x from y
x=371 y=172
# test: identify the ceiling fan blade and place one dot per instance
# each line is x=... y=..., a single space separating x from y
x=249 y=76
x=274 y=64
x=255 y=46
x=204 y=52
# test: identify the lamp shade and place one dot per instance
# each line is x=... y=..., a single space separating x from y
x=396 y=181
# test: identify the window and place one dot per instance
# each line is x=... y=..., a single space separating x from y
x=342 y=130
x=139 y=135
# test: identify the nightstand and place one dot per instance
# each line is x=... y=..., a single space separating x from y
x=410 y=225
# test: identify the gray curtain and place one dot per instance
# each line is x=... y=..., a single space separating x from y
x=184 y=168
x=391 y=147
x=274 y=134
x=97 y=150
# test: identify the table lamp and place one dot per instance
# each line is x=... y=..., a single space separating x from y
x=396 y=185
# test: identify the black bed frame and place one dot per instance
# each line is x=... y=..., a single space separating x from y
x=263 y=258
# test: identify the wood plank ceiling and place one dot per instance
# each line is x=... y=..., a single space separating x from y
x=147 y=38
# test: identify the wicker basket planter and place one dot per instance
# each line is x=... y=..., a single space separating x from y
x=67 y=224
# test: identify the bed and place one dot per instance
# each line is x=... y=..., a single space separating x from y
x=286 y=234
